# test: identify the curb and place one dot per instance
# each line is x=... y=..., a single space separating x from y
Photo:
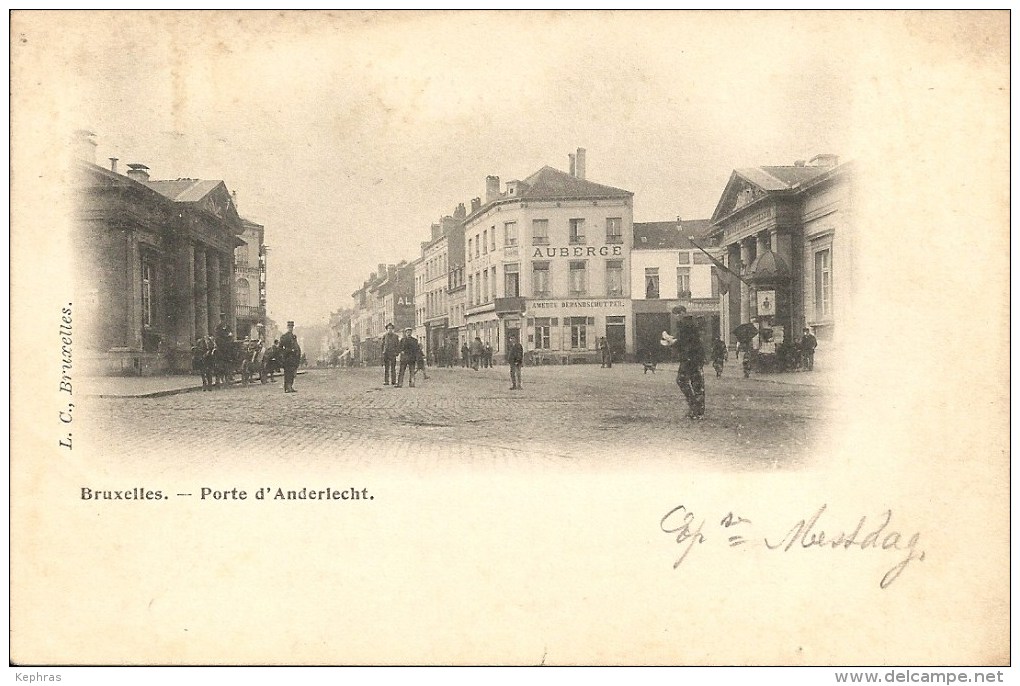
x=164 y=393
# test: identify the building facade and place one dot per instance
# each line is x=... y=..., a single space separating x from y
x=547 y=260
x=154 y=265
x=668 y=269
x=250 y=281
x=789 y=230
x=387 y=296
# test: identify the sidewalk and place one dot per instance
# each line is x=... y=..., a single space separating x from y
x=147 y=386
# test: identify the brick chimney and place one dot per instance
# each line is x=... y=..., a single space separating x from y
x=460 y=212
x=491 y=188
x=113 y=164
x=476 y=204
x=382 y=271
x=138 y=172
x=436 y=228
x=448 y=224
x=824 y=160
x=580 y=163
x=573 y=165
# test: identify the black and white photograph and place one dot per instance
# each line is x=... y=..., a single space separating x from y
x=517 y=338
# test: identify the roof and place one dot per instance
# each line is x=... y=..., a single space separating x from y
x=670 y=236
x=183 y=190
x=549 y=184
x=781 y=178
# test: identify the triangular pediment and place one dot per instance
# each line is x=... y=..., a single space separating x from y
x=738 y=193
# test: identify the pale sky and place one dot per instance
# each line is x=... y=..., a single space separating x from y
x=347 y=136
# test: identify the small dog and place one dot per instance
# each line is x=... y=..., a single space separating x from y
x=649 y=366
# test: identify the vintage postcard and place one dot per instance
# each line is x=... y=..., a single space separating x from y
x=510 y=338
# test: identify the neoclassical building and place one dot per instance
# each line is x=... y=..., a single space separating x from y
x=250 y=281
x=154 y=266
x=789 y=231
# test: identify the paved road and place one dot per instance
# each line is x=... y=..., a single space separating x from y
x=564 y=414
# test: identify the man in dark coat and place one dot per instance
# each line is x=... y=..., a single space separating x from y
x=465 y=355
x=719 y=355
x=409 y=352
x=515 y=356
x=807 y=350
x=390 y=350
x=689 y=376
x=476 y=352
x=290 y=357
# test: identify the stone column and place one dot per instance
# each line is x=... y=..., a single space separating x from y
x=745 y=291
x=201 y=304
x=213 y=284
x=134 y=301
x=184 y=321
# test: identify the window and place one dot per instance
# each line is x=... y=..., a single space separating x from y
x=701 y=258
x=485 y=287
x=492 y=240
x=512 y=280
x=540 y=278
x=614 y=278
x=578 y=278
x=510 y=234
x=478 y=288
x=685 y=257
x=485 y=242
x=577 y=231
x=579 y=332
x=614 y=230
x=683 y=282
x=651 y=283
x=478 y=247
x=823 y=284
x=469 y=248
x=543 y=338
x=148 y=276
x=471 y=290
x=242 y=292
x=715 y=282
x=540 y=232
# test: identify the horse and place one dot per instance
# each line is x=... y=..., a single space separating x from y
x=201 y=361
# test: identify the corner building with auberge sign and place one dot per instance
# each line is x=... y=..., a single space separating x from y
x=547 y=259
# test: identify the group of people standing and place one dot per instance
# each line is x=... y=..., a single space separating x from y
x=408 y=351
x=476 y=355
x=218 y=357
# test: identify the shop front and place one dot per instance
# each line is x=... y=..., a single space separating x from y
x=569 y=331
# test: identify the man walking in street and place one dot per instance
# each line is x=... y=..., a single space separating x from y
x=476 y=353
x=390 y=349
x=689 y=376
x=409 y=352
x=807 y=350
x=719 y=355
x=290 y=357
x=515 y=356
x=465 y=355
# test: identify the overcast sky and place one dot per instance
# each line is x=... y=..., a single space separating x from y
x=347 y=136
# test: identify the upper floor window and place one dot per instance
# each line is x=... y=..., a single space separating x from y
x=485 y=242
x=540 y=231
x=577 y=231
x=614 y=230
x=578 y=277
x=540 y=278
x=614 y=278
x=823 y=284
x=510 y=233
x=651 y=283
x=683 y=282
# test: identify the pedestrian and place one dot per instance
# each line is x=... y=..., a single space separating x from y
x=465 y=355
x=290 y=356
x=689 y=376
x=719 y=355
x=409 y=352
x=487 y=355
x=607 y=353
x=515 y=356
x=390 y=349
x=420 y=362
x=476 y=353
x=807 y=349
x=222 y=332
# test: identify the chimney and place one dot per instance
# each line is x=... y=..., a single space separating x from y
x=382 y=271
x=476 y=204
x=85 y=145
x=573 y=168
x=491 y=188
x=448 y=224
x=138 y=172
x=436 y=231
x=580 y=163
x=113 y=164
x=460 y=212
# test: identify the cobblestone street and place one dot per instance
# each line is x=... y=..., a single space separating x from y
x=568 y=414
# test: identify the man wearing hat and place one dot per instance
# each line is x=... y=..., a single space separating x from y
x=807 y=350
x=290 y=357
x=390 y=348
x=409 y=352
x=689 y=377
x=222 y=332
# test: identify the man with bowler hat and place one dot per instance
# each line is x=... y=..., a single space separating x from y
x=409 y=352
